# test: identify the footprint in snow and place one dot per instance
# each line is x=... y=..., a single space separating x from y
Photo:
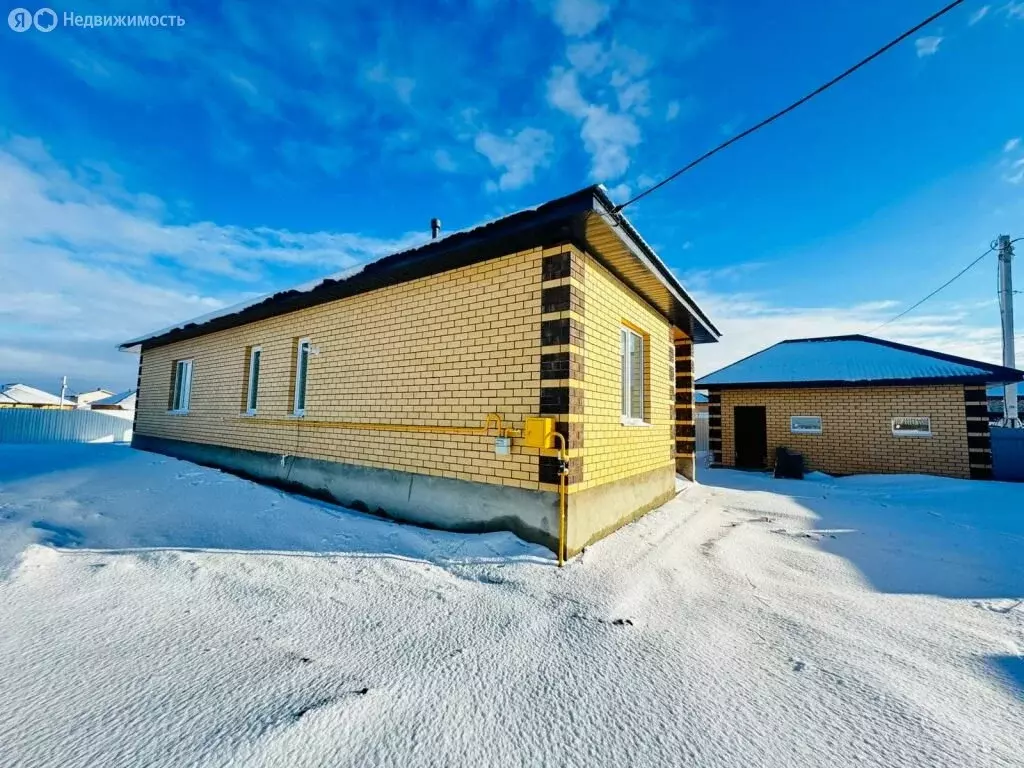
x=58 y=535
x=798 y=666
x=998 y=606
x=301 y=711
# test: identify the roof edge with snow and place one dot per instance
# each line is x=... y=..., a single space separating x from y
x=608 y=236
x=731 y=377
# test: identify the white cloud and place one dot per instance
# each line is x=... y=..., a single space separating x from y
x=619 y=193
x=701 y=279
x=85 y=265
x=927 y=46
x=1011 y=145
x=1015 y=10
x=589 y=58
x=680 y=109
x=564 y=92
x=607 y=136
x=444 y=161
x=1016 y=174
x=749 y=324
x=402 y=87
x=580 y=17
x=302 y=155
x=632 y=95
x=613 y=74
x=979 y=14
x=518 y=155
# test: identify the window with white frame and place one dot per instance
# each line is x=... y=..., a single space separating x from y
x=301 y=374
x=632 y=352
x=181 y=387
x=912 y=426
x=253 y=388
x=805 y=425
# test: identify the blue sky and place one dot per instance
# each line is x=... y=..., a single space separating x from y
x=148 y=175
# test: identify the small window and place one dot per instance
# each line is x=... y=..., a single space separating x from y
x=805 y=425
x=301 y=371
x=912 y=426
x=632 y=375
x=181 y=388
x=252 y=392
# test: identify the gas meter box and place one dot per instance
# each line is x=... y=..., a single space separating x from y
x=538 y=432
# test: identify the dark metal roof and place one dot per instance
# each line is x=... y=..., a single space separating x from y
x=852 y=361
x=584 y=218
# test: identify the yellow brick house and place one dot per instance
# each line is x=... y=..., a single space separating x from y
x=855 y=404
x=533 y=374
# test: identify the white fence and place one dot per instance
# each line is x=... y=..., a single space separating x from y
x=702 y=433
x=42 y=425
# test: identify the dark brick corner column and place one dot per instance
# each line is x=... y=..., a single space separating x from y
x=561 y=359
x=138 y=396
x=979 y=433
x=715 y=427
x=685 y=417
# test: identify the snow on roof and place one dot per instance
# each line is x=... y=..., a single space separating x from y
x=650 y=258
x=26 y=395
x=309 y=285
x=232 y=309
x=117 y=399
x=849 y=359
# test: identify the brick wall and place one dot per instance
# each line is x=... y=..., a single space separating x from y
x=613 y=451
x=536 y=332
x=443 y=351
x=856 y=427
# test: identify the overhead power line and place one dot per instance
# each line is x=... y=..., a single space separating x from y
x=819 y=90
x=945 y=285
x=955 y=277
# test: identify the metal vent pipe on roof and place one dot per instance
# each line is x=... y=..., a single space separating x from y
x=435 y=228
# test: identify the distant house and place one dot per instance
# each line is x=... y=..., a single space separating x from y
x=24 y=396
x=855 y=404
x=84 y=399
x=533 y=374
x=122 y=401
x=700 y=402
x=995 y=402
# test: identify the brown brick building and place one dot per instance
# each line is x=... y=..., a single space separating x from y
x=484 y=381
x=855 y=404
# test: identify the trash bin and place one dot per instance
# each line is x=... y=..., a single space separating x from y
x=789 y=464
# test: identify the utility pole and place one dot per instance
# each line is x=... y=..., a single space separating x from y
x=63 y=389
x=1010 y=417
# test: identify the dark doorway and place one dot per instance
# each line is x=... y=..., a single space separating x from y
x=751 y=436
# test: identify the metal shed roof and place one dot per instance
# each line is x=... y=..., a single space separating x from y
x=853 y=360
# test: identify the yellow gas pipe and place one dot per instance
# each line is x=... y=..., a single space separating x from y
x=491 y=418
x=563 y=472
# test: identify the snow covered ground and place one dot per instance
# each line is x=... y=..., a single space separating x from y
x=155 y=613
